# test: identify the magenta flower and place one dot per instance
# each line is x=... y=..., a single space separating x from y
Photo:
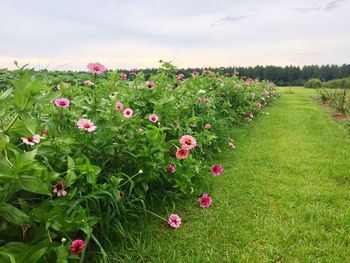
x=153 y=118
x=128 y=113
x=171 y=168
x=216 y=169
x=96 y=68
x=207 y=126
x=59 y=189
x=123 y=76
x=31 y=140
x=174 y=221
x=194 y=73
x=182 y=153
x=119 y=106
x=205 y=201
x=86 y=125
x=188 y=142
x=77 y=246
x=62 y=103
x=180 y=76
x=88 y=83
x=206 y=101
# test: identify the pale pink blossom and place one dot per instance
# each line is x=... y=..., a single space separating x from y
x=119 y=106
x=174 y=221
x=31 y=140
x=96 y=68
x=231 y=145
x=123 y=76
x=62 y=103
x=205 y=201
x=59 y=189
x=207 y=126
x=188 y=142
x=194 y=73
x=128 y=113
x=88 y=83
x=153 y=118
x=216 y=169
x=247 y=119
x=206 y=101
x=180 y=76
x=86 y=125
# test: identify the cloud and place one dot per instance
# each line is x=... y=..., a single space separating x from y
x=228 y=20
x=333 y=5
x=315 y=7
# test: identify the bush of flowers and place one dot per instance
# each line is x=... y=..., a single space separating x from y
x=77 y=159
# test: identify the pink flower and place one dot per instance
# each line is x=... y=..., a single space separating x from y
x=44 y=132
x=251 y=114
x=174 y=221
x=207 y=71
x=206 y=101
x=119 y=106
x=252 y=95
x=96 y=68
x=194 y=73
x=182 y=153
x=199 y=99
x=205 y=201
x=59 y=189
x=247 y=119
x=216 y=169
x=77 y=246
x=231 y=145
x=123 y=76
x=128 y=113
x=88 y=83
x=207 y=126
x=133 y=70
x=64 y=84
x=171 y=168
x=188 y=142
x=180 y=76
x=259 y=105
x=150 y=84
x=153 y=118
x=62 y=103
x=86 y=125
x=31 y=140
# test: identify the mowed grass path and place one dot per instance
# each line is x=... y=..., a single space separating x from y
x=284 y=196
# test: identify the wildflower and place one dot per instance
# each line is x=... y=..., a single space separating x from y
x=128 y=113
x=174 y=221
x=207 y=126
x=216 y=169
x=206 y=101
x=153 y=118
x=62 y=103
x=96 y=68
x=64 y=84
x=121 y=194
x=77 y=246
x=117 y=83
x=150 y=84
x=119 y=106
x=44 y=132
x=188 y=142
x=199 y=99
x=182 y=153
x=205 y=201
x=88 y=83
x=251 y=114
x=259 y=105
x=86 y=125
x=123 y=76
x=207 y=71
x=31 y=140
x=247 y=119
x=171 y=168
x=59 y=189
x=252 y=95
x=231 y=145
x=194 y=73
x=180 y=76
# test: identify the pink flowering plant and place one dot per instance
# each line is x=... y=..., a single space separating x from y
x=78 y=161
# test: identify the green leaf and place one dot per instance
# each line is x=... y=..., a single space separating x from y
x=6 y=94
x=4 y=140
x=62 y=254
x=13 y=215
x=34 y=185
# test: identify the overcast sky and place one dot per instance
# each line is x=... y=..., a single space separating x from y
x=68 y=34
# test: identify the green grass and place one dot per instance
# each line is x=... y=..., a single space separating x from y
x=283 y=196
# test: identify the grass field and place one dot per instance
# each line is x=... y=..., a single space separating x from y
x=283 y=196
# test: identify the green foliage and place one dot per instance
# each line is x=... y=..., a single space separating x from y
x=72 y=184
x=313 y=84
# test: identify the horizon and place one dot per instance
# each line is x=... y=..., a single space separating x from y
x=68 y=35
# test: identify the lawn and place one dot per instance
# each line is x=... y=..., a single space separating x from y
x=283 y=196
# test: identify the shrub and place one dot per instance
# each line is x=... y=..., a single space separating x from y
x=77 y=160
x=313 y=84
